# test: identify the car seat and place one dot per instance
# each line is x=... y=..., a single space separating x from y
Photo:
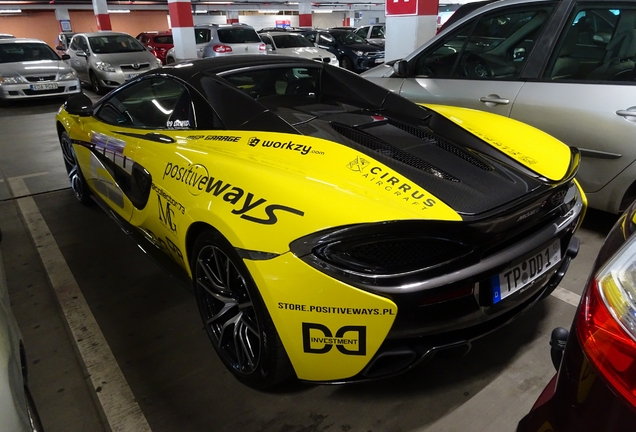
x=566 y=65
x=619 y=57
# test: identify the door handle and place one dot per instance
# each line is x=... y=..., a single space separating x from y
x=626 y=113
x=494 y=100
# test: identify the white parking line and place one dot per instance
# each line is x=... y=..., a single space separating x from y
x=115 y=396
x=567 y=296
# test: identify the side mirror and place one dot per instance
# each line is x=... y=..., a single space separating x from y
x=400 y=68
x=80 y=105
x=66 y=57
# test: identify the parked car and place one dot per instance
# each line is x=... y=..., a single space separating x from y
x=373 y=33
x=352 y=51
x=593 y=389
x=564 y=67
x=442 y=223
x=295 y=44
x=106 y=60
x=29 y=69
x=17 y=408
x=217 y=40
x=158 y=43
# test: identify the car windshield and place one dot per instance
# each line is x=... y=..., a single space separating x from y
x=291 y=41
x=238 y=35
x=166 y=39
x=109 y=44
x=20 y=52
x=347 y=38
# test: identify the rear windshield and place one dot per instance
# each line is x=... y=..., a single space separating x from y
x=238 y=35
x=167 y=39
x=291 y=41
x=114 y=44
x=19 y=52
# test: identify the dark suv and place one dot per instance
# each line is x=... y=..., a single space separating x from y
x=353 y=52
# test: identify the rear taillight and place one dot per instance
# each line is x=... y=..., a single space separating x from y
x=606 y=322
x=262 y=47
x=222 y=48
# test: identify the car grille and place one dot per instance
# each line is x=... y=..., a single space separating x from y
x=323 y=59
x=40 y=78
x=43 y=92
x=131 y=67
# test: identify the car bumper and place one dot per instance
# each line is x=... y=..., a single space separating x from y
x=366 y=63
x=27 y=91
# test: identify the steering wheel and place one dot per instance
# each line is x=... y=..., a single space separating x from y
x=476 y=67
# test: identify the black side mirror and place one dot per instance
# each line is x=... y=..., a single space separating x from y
x=80 y=105
x=400 y=69
x=66 y=57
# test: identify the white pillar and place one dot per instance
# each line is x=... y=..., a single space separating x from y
x=182 y=29
x=409 y=23
x=232 y=16
x=304 y=14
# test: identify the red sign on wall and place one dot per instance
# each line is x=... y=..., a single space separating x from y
x=411 y=7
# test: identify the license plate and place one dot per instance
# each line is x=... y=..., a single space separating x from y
x=131 y=76
x=517 y=277
x=379 y=60
x=47 y=86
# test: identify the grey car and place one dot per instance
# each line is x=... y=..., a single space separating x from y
x=106 y=60
x=29 y=69
x=566 y=67
x=374 y=33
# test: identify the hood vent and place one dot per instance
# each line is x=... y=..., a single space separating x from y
x=386 y=149
x=432 y=139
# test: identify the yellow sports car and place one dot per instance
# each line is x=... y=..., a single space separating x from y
x=330 y=229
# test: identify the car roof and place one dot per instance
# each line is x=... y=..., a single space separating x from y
x=103 y=33
x=281 y=33
x=21 y=40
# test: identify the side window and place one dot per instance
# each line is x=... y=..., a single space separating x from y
x=201 y=35
x=82 y=45
x=597 y=44
x=362 y=32
x=311 y=37
x=154 y=103
x=266 y=40
x=377 y=32
x=282 y=81
x=73 y=45
x=493 y=46
x=325 y=39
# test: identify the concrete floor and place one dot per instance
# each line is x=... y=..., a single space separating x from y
x=151 y=326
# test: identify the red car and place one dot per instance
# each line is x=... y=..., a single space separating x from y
x=158 y=42
x=594 y=389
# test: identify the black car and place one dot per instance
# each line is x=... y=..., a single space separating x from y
x=595 y=387
x=353 y=52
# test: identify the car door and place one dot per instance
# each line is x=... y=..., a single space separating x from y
x=587 y=97
x=79 y=52
x=479 y=63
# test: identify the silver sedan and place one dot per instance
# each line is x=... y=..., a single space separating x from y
x=29 y=68
x=565 y=67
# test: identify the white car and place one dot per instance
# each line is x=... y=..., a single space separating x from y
x=295 y=44
x=17 y=410
x=30 y=69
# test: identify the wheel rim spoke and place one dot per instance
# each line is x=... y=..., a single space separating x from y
x=229 y=314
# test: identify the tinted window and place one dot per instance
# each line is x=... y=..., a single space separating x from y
x=347 y=38
x=155 y=103
x=291 y=41
x=166 y=40
x=19 y=52
x=377 y=32
x=109 y=44
x=238 y=35
x=597 y=44
x=259 y=83
x=202 y=35
x=493 y=46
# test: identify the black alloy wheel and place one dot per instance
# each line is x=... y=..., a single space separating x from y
x=346 y=63
x=234 y=315
x=78 y=183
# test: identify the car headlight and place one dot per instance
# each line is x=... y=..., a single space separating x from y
x=104 y=66
x=12 y=80
x=159 y=64
x=68 y=76
x=359 y=53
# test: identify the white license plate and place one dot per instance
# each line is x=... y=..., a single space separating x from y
x=379 y=60
x=131 y=76
x=47 y=86
x=520 y=275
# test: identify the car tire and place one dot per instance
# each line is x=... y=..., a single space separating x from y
x=78 y=183
x=234 y=314
x=169 y=60
x=346 y=63
x=95 y=84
